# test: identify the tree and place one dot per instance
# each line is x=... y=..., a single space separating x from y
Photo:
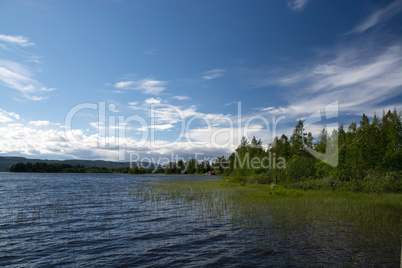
x=180 y=166
x=322 y=143
x=19 y=167
x=391 y=135
x=297 y=139
x=191 y=166
x=170 y=168
x=220 y=164
x=300 y=168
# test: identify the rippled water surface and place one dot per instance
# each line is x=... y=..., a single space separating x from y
x=101 y=220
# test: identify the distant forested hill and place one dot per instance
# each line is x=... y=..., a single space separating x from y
x=7 y=161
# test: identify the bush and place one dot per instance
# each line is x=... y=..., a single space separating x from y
x=328 y=183
x=242 y=180
x=372 y=183
x=380 y=183
x=263 y=178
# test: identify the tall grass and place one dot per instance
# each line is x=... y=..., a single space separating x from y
x=320 y=217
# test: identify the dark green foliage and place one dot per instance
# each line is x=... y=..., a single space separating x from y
x=7 y=161
x=20 y=167
x=43 y=167
x=139 y=171
x=300 y=168
x=220 y=165
x=171 y=168
x=191 y=166
x=369 y=158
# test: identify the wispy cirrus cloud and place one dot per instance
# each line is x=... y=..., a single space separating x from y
x=133 y=103
x=379 y=16
x=181 y=97
x=8 y=116
x=212 y=74
x=162 y=127
x=362 y=80
x=297 y=4
x=18 y=40
x=147 y=86
x=172 y=114
x=35 y=59
x=18 y=77
x=230 y=103
x=145 y=106
x=151 y=51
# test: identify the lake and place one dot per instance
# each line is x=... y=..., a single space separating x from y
x=120 y=220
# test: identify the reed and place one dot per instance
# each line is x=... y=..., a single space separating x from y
x=372 y=220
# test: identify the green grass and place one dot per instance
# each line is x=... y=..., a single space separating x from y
x=370 y=220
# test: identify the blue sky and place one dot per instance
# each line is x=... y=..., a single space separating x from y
x=177 y=73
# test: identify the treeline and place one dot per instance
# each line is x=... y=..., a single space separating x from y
x=365 y=157
x=63 y=168
x=191 y=166
x=139 y=171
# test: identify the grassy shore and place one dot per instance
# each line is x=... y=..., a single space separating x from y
x=368 y=220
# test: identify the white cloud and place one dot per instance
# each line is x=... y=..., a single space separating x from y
x=379 y=16
x=152 y=86
x=94 y=125
x=125 y=84
x=297 y=4
x=153 y=101
x=173 y=114
x=180 y=97
x=35 y=59
x=360 y=80
x=212 y=74
x=167 y=115
x=16 y=76
x=134 y=105
x=4 y=119
x=8 y=116
x=16 y=67
x=226 y=138
x=39 y=123
x=147 y=86
x=162 y=127
x=157 y=127
x=16 y=40
x=274 y=110
x=46 y=139
x=50 y=141
x=325 y=69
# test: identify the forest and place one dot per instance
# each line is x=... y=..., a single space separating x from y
x=367 y=157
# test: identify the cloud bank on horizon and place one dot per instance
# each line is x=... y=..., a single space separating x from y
x=103 y=91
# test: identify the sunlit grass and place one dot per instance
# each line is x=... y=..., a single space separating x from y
x=374 y=219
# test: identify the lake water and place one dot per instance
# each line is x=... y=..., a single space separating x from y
x=92 y=220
